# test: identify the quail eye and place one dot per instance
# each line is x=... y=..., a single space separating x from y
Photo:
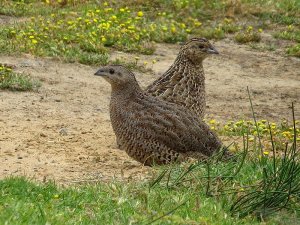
x=201 y=46
x=111 y=71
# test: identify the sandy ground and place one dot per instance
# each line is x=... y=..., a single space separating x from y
x=63 y=131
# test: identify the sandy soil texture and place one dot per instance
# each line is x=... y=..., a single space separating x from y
x=63 y=131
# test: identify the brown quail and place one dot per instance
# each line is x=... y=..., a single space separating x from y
x=184 y=82
x=151 y=130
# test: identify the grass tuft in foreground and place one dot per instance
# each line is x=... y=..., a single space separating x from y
x=279 y=187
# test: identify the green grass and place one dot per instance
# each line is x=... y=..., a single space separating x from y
x=13 y=81
x=86 y=31
x=248 y=35
x=87 y=34
x=294 y=50
x=175 y=199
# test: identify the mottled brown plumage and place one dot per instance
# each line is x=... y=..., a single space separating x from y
x=184 y=82
x=153 y=131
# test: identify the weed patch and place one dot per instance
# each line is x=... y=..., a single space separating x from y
x=16 y=81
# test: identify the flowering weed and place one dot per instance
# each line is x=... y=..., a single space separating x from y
x=16 y=81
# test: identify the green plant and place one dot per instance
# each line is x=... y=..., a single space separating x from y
x=280 y=186
x=294 y=50
x=15 y=81
x=248 y=35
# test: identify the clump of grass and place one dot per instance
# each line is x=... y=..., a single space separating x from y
x=211 y=33
x=294 y=50
x=289 y=33
x=219 y=31
x=229 y=26
x=280 y=186
x=11 y=80
x=248 y=35
x=263 y=46
x=132 y=65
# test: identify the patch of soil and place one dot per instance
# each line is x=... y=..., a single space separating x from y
x=63 y=131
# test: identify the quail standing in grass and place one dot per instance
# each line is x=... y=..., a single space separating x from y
x=184 y=82
x=151 y=130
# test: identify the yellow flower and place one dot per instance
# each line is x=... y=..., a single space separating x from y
x=31 y=37
x=173 y=30
x=122 y=10
x=251 y=139
x=34 y=41
x=286 y=134
x=140 y=14
x=105 y=4
x=260 y=30
x=266 y=153
x=212 y=121
x=290 y=27
x=56 y=196
x=197 y=23
x=226 y=20
x=103 y=39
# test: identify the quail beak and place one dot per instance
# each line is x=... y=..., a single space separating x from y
x=212 y=50
x=100 y=72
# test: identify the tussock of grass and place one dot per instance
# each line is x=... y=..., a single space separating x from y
x=248 y=35
x=289 y=33
x=15 y=81
x=294 y=50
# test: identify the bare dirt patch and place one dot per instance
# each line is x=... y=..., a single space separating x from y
x=63 y=131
